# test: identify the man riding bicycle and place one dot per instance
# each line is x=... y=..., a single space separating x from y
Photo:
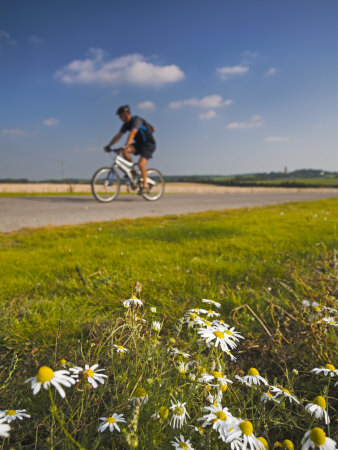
x=140 y=140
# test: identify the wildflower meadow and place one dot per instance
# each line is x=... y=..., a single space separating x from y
x=209 y=331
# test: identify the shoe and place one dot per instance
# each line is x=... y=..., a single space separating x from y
x=143 y=190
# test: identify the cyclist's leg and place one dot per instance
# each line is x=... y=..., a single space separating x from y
x=127 y=151
x=142 y=163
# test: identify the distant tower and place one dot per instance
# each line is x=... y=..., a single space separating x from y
x=285 y=170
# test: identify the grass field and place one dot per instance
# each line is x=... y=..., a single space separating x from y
x=61 y=293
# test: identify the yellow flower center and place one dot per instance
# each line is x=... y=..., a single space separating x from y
x=179 y=411
x=246 y=427
x=211 y=311
x=120 y=347
x=223 y=387
x=330 y=367
x=317 y=308
x=183 y=445
x=208 y=323
x=44 y=374
x=286 y=391
x=111 y=420
x=221 y=415
x=219 y=334
x=90 y=372
x=133 y=297
x=253 y=372
x=228 y=332
x=318 y=436
x=320 y=401
x=140 y=392
x=287 y=445
x=11 y=412
x=62 y=362
x=269 y=394
x=193 y=316
x=163 y=412
x=217 y=374
x=264 y=442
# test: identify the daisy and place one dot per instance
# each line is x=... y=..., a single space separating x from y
x=318 y=409
x=46 y=377
x=4 y=429
x=212 y=313
x=89 y=374
x=179 y=415
x=330 y=310
x=192 y=319
x=218 y=336
x=244 y=430
x=133 y=301
x=211 y=302
x=220 y=418
x=120 y=348
x=264 y=442
x=216 y=377
x=183 y=368
x=176 y=351
x=198 y=311
x=285 y=393
x=156 y=326
x=329 y=369
x=9 y=415
x=330 y=321
x=162 y=413
x=268 y=397
x=140 y=396
x=317 y=438
x=110 y=422
x=182 y=443
x=288 y=445
x=153 y=309
x=139 y=319
x=252 y=377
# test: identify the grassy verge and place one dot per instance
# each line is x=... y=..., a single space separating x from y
x=61 y=292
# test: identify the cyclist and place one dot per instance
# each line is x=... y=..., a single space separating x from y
x=140 y=140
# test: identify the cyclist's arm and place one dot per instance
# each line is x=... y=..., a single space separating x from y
x=131 y=136
x=115 y=139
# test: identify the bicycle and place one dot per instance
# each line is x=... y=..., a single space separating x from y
x=106 y=181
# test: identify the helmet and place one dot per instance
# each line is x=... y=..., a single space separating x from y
x=122 y=109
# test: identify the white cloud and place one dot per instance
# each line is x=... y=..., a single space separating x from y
x=51 y=122
x=130 y=69
x=227 y=71
x=5 y=35
x=255 y=122
x=276 y=139
x=271 y=71
x=15 y=133
x=210 y=101
x=147 y=106
x=208 y=115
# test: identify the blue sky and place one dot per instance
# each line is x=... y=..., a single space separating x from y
x=232 y=86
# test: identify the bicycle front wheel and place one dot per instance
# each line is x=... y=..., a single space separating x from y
x=156 y=185
x=106 y=184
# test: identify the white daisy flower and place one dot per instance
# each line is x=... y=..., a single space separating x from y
x=153 y=309
x=211 y=302
x=216 y=377
x=183 y=368
x=120 y=348
x=162 y=413
x=330 y=310
x=156 y=325
x=9 y=415
x=219 y=336
x=316 y=438
x=179 y=416
x=181 y=443
x=212 y=313
x=284 y=393
x=133 y=301
x=4 y=430
x=110 y=422
x=318 y=409
x=220 y=418
x=268 y=397
x=244 y=431
x=46 y=377
x=198 y=311
x=192 y=319
x=140 y=396
x=330 y=321
x=328 y=370
x=139 y=319
x=176 y=351
x=89 y=374
x=251 y=378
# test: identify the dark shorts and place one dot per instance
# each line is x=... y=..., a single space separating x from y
x=145 y=150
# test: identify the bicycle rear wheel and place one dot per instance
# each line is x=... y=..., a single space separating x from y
x=156 y=185
x=106 y=184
